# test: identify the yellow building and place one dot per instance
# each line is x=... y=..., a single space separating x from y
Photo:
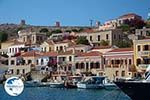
x=47 y=46
x=142 y=54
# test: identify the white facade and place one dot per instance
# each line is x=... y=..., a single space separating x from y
x=60 y=46
x=12 y=50
x=81 y=48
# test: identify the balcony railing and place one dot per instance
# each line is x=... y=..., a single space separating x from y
x=144 y=53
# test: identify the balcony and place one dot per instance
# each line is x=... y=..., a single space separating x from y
x=143 y=65
x=144 y=53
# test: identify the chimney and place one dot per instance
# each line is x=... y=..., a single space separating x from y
x=57 y=24
x=23 y=22
x=97 y=24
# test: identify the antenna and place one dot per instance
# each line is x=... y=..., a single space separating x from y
x=91 y=22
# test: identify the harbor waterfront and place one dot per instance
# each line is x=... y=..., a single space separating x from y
x=47 y=93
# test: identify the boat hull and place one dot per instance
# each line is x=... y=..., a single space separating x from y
x=135 y=90
x=56 y=85
x=110 y=86
x=90 y=86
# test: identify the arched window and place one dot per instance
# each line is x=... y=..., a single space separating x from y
x=77 y=65
x=138 y=61
x=123 y=73
x=82 y=65
x=97 y=65
x=92 y=65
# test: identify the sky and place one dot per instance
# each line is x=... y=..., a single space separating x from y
x=69 y=12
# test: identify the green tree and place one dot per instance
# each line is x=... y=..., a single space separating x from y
x=104 y=43
x=3 y=36
x=56 y=31
x=45 y=30
x=125 y=27
x=124 y=43
x=75 y=30
x=68 y=31
x=82 y=40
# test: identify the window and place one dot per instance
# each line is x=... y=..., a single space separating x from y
x=99 y=38
x=92 y=65
x=65 y=69
x=69 y=68
x=57 y=48
x=138 y=61
x=123 y=73
x=12 y=62
x=17 y=71
x=139 y=48
x=49 y=48
x=29 y=61
x=42 y=62
x=45 y=49
x=82 y=65
x=107 y=36
x=13 y=50
x=82 y=51
x=37 y=62
x=61 y=48
x=87 y=66
x=112 y=61
x=12 y=71
x=77 y=65
x=146 y=47
x=91 y=38
x=97 y=65
x=126 y=61
x=114 y=36
x=24 y=39
x=33 y=38
x=70 y=58
x=117 y=73
x=10 y=50
x=23 y=71
x=141 y=33
x=130 y=62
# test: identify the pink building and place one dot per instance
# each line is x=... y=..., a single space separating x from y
x=119 y=63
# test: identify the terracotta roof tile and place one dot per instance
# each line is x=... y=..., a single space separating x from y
x=92 y=53
x=121 y=49
x=128 y=15
x=69 y=52
x=50 y=54
x=102 y=47
x=31 y=54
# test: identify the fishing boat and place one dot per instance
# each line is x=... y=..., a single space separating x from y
x=33 y=83
x=93 y=82
x=72 y=81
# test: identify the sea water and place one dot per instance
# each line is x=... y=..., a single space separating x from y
x=47 y=93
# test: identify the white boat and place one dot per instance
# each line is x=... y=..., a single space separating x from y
x=56 y=84
x=93 y=82
x=109 y=85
